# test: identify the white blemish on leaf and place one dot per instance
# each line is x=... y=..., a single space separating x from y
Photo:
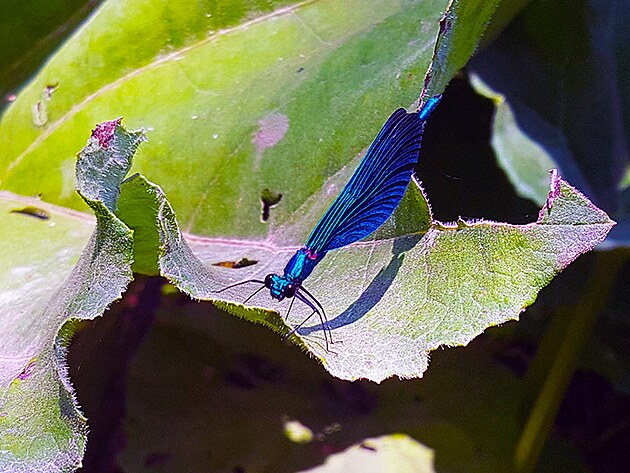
x=271 y=129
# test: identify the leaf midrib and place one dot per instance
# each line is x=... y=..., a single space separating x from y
x=147 y=67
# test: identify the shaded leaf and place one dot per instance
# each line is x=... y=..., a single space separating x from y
x=526 y=162
x=562 y=79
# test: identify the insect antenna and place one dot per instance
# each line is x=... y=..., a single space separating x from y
x=240 y=284
x=254 y=293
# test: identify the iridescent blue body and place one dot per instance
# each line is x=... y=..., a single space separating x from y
x=297 y=270
x=367 y=200
x=365 y=203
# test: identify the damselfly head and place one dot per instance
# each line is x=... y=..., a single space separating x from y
x=280 y=287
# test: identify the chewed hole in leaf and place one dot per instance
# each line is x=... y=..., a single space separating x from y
x=48 y=91
x=242 y=263
x=32 y=211
x=268 y=199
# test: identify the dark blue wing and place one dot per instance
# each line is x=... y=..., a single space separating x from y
x=376 y=187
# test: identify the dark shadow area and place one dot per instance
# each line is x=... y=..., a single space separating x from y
x=98 y=360
x=375 y=290
x=457 y=166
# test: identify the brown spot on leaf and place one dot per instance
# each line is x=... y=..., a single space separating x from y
x=242 y=263
x=32 y=211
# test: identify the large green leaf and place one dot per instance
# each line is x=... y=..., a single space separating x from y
x=391 y=300
x=232 y=113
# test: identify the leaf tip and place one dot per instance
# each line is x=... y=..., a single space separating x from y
x=105 y=131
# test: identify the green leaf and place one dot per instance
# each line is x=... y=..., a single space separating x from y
x=461 y=28
x=37 y=254
x=217 y=103
x=389 y=453
x=35 y=388
x=392 y=300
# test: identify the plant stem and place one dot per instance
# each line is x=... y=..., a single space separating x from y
x=555 y=361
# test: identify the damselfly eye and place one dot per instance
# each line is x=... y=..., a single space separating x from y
x=289 y=291
x=268 y=281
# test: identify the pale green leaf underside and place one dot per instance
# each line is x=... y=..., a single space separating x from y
x=395 y=453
